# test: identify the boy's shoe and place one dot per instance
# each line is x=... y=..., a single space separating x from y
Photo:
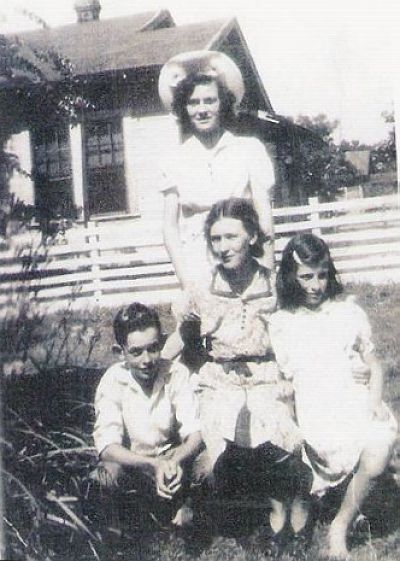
x=183 y=517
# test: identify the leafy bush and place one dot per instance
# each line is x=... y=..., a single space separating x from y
x=45 y=480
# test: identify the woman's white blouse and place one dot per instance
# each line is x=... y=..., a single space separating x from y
x=236 y=167
x=204 y=176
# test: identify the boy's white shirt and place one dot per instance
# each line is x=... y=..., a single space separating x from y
x=151 y=422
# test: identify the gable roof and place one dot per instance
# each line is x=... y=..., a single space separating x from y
x=123 y=43
x=133 y=42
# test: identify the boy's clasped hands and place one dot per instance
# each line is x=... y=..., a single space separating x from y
x=167 y=476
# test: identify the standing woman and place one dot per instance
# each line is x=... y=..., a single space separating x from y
x=202 y=89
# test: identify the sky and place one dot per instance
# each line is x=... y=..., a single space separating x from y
x=314 y=56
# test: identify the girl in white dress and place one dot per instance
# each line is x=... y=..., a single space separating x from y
x=321 y=339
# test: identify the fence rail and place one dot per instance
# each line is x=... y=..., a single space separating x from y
x=109 y=265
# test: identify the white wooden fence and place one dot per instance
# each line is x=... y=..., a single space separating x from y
x=108 y=264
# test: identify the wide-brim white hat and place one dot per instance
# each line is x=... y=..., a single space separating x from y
x=210 y=63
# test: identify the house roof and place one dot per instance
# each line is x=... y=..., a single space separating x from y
x=141 y=41
x=137 y=41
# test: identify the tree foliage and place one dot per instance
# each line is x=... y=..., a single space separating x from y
x=36 y=86
x=384 y=155
x=322 y=168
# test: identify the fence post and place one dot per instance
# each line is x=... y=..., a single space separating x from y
x=93 y=239
x=314 y=215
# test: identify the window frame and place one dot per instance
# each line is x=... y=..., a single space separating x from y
x=112 y=173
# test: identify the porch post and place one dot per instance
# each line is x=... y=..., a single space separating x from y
x=75 y=133
x=20 y=184
x=129 y=132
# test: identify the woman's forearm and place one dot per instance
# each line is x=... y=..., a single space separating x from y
x=172 y=238
x=174 y=248
x=263 y=206
x=268 y=259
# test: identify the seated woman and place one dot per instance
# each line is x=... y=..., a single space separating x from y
x=152 y=401
x=320 y=340
x=246 y=425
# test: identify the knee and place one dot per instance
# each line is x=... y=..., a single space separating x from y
x=202 y=468
x=375 y=457
x=107 y=475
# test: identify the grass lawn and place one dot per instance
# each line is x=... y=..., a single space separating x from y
x=47 y=454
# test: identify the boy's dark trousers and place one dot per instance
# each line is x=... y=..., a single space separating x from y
x=129 y=495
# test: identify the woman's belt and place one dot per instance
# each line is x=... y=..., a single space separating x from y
x=268 y=357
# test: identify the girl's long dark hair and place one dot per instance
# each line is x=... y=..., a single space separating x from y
x=311 y=250
x=239 y=209
x=185 y=89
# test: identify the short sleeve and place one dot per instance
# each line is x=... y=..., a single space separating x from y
x=277 y=334
x=168 y=182
x=364 y=331
x=184 y=401
x=261 y=169
x=109 y=427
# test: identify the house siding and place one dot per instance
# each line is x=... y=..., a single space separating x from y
x=146 y=138
x=21 y=185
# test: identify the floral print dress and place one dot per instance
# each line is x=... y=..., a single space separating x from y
x=239 y=386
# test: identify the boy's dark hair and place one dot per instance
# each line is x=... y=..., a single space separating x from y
x=311 y=250
x=135 y=317
x=185 y=89
x=239 y=209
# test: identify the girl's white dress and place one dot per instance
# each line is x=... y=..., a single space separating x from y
x=318 y=350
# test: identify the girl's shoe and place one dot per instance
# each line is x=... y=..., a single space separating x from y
x=299 y=542
x=275 y=543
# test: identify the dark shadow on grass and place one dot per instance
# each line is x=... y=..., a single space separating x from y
x=237 y=522
x=382 y=506
x=380 y=515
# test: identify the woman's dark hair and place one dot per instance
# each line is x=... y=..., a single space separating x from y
x=185 y=89
x=239 y=209
x=135 y=317
x=311 y=250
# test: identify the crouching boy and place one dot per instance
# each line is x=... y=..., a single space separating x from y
x=147 y=429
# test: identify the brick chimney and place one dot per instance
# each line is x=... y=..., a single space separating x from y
x=87 y=10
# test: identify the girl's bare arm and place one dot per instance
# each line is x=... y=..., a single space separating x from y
x=375 y=383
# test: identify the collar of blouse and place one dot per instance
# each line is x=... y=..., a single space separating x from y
x=260 y=286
